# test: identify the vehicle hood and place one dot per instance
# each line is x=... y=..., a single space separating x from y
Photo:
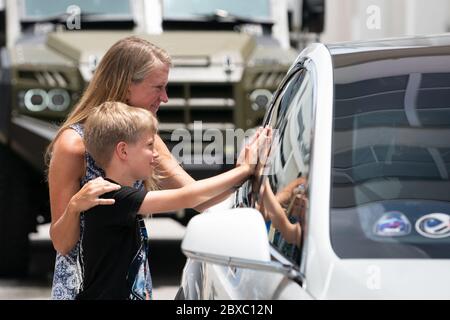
x=37 y=54
x=199 y=50
x=79 y=45
x=384 y=279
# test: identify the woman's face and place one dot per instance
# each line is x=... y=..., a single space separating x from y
x=150 y=92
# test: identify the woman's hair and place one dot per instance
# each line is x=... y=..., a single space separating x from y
x=111 y=123
x=130 y=60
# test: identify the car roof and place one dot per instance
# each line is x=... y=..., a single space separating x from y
x=346 y=53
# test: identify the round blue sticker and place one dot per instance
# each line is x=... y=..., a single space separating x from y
x=434 y=225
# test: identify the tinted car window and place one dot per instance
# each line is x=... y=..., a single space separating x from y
x=258 y=9
x=281 y=179
x=37 y=9
x=391 y=159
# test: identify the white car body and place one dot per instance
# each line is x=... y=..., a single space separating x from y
x=230 y=256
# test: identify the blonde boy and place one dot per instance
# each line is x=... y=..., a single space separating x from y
x=120 y=138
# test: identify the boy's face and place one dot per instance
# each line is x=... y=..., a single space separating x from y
x=142 y=156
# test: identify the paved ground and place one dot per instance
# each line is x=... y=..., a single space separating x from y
x=38 y=290
x=166 y=263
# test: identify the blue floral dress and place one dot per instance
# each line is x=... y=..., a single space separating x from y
x=68 y=273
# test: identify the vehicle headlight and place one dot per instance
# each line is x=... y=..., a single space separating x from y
x=58 y=100
x=260 y=99
x=36 y=100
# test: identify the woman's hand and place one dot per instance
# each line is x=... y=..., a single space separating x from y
x=264 y=145
x=88 y=196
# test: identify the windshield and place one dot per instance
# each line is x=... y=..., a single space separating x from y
x=185 y=9
x=41 y=9
x=391 y=158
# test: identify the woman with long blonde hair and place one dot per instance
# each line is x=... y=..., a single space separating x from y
x=133 y=71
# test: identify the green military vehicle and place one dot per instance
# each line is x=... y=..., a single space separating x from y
x=226 y=64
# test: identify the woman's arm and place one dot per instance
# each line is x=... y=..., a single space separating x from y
x=64 y=174
x=66 y=199
x=173 y=176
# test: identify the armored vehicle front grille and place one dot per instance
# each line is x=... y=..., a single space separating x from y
x=206 y=102
x=44 y=78
x=267 y=79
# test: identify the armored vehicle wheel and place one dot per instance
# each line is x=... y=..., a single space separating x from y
x=21 y=198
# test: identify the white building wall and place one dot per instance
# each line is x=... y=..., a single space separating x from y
x=428 y=17
x=12 y=22
x=280 y=29
x=347 y=20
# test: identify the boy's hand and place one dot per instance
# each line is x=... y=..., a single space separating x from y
x=257 y=149
x=251 y=153
x=241 y=158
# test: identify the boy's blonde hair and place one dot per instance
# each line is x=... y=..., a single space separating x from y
x=111 y=123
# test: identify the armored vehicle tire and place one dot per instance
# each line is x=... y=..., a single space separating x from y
x=14 y=250
x=20 y=201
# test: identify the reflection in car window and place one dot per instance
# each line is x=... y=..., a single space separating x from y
x=391 y=160
x=282 y=186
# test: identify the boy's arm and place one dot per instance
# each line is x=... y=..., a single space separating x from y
x=273 y=208
x=195 y=193
x=291 y=232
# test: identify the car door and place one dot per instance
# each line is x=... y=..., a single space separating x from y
x=280 y=191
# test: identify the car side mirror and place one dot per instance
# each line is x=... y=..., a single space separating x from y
x=234 y=237
x=227 y=234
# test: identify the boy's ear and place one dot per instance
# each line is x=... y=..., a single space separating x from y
x=122 y=150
